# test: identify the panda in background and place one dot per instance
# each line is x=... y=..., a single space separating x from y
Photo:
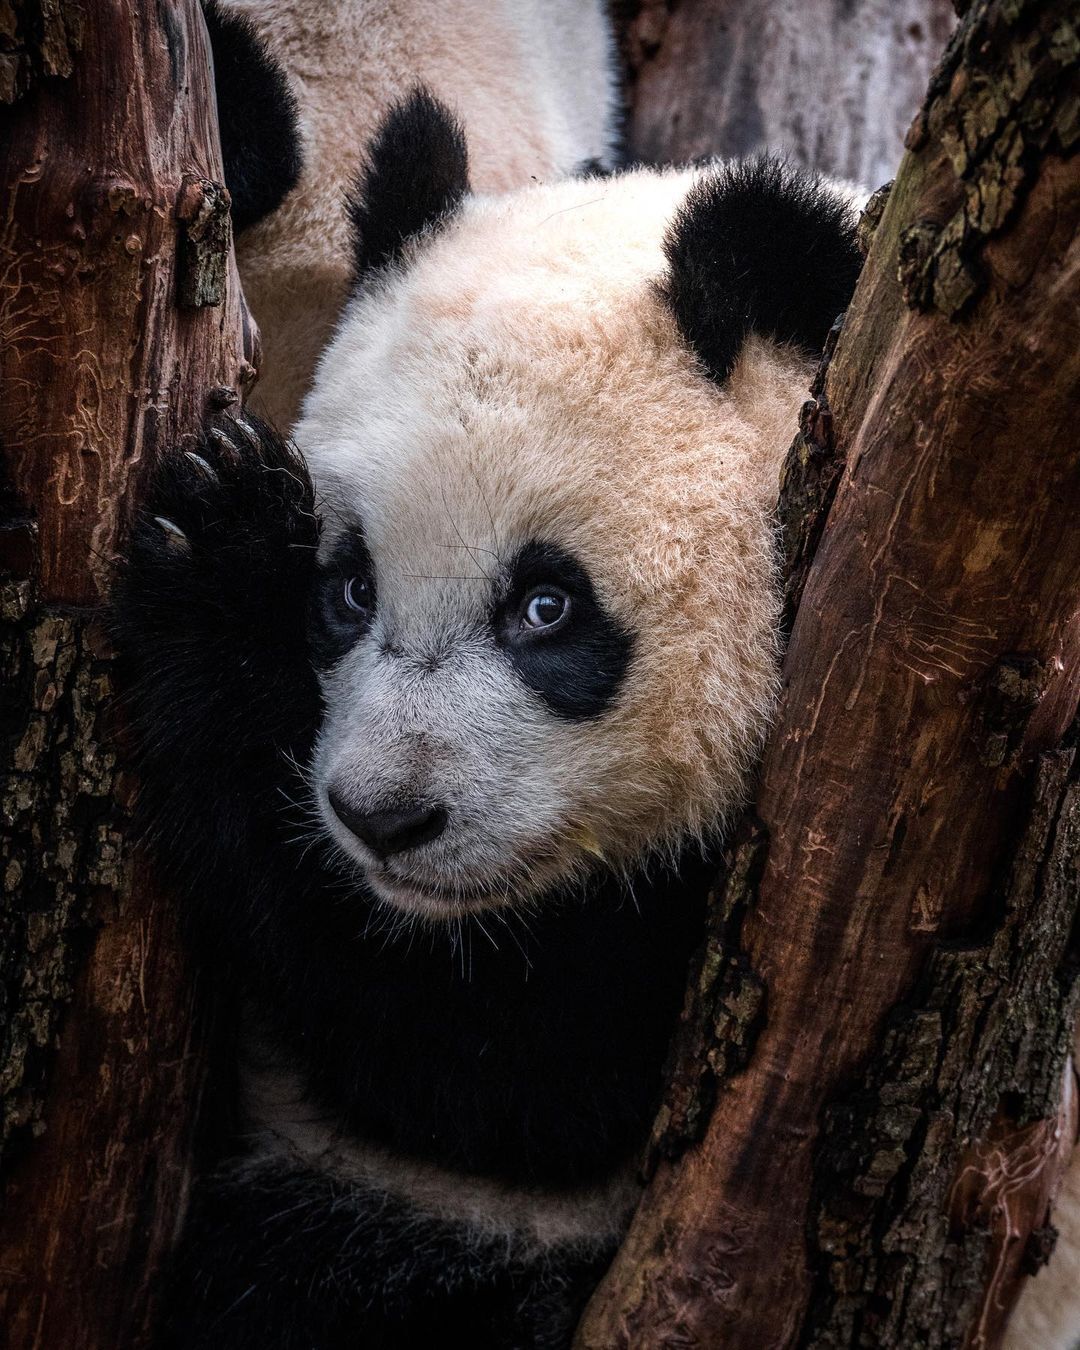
x=302 y=86
x=437 y=747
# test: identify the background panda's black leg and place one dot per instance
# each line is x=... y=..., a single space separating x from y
x=257 y=117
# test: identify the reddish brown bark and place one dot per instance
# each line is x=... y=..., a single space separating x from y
x=120 y=318
x=892 y=956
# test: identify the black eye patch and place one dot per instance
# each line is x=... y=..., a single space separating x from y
x=334 y=623
x=579 y=665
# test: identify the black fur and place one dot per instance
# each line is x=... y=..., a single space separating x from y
x=257 y=117
x=579 y=669
x=294 y=1260
x=415 y=177
x=334 y=627
x=759 y=246
x=530 y=1052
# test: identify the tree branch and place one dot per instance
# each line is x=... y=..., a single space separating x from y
x=102 y=1056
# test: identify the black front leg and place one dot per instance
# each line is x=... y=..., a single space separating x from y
x=209 y=614
x=292 y=1260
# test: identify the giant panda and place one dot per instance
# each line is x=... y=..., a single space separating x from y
x=301 y=86
x=440 y=715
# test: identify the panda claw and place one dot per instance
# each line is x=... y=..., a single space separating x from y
x=175 y=536
x=223 y=439
x=248 y=432
x=201 y=464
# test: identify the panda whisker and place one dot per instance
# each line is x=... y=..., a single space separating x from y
x=576 y=207
x=305 y=772
x=461 y=540
x=496 y=554
x=414 y=928
x=470 y=548
x=457 y=944
x=426 y=576
x=479 y=924
x=325 y=507
x=504 y=919
x=286 y=472
x=242 y=1299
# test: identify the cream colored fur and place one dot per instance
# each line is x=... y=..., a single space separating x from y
x=521 y=379
x=532 y=80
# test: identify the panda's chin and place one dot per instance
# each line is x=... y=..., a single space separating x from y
x=435 y=902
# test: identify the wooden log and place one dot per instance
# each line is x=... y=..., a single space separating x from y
x=121 y=320
x=866 y=1117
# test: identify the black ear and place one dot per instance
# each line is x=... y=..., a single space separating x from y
x=415 y=176
x=759 y=246
x=257 y=117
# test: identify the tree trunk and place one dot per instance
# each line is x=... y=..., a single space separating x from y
x=865 y=1119
x=834 y=82
x=121 y=317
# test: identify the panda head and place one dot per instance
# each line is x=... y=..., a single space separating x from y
x=546 y=440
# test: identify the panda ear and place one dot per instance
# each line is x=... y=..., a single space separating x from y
x=759 y=246
x=414 y=178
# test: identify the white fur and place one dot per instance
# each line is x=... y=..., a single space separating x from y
x=532 y=81
x=519 y=378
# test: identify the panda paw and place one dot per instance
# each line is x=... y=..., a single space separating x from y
x=225 y=540
x=244 y=490
x=209 y=618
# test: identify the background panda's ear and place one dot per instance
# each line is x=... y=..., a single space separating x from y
x=415 y=176
x=257 y=117
x=759 y=246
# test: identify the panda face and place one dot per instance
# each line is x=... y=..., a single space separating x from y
x=546 y=621
x=462 y=691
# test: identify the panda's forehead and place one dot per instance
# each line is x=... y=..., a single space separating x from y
x=450 y=470
x=460 y=446
x=485 y=398
x=444 y=511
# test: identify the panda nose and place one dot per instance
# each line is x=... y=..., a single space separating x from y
x=395 y=831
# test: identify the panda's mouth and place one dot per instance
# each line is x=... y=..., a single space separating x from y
x=435 y=899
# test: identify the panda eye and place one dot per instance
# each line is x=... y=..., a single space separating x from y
x=545 y=609
x=357 y=596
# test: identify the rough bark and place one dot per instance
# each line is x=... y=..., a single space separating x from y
x=866 y=1115
x=833 y=81
x=121 y=317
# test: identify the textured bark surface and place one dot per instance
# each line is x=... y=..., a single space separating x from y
x=869 y=1162
x=109 y=178
x=835 y=82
